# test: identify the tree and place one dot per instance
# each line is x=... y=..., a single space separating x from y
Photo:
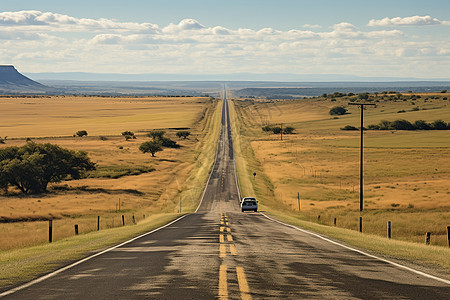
x=439 y=125
x=288 y=130
x=338 y=111
x=402 y=125
x=81 y=133
x=151 y=146
x=156 y=134
x=363 y=96
x=33 y=166
x=183 y=134
x=422 y=125
x=349 y=127
x=128 y=135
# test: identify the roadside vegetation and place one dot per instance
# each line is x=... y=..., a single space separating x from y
x=146 y=190
x=406 y=173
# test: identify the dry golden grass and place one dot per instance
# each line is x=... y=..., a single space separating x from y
x=178 y=172
x=64 y=115
x=407 y=174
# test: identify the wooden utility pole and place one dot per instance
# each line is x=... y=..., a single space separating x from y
x=361 y=174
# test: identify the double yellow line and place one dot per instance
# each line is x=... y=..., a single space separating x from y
x=225 y=230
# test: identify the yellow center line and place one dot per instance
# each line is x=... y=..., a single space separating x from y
x=223 y=286
x=230 y=238
x=229 y=229
x=227 y=224
x=222 y=229
x=223 y=250
x=233 y=249
x=221 y=222
x=243 y=285
x=221 y=239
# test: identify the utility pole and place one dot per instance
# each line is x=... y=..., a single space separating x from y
x=361 y=174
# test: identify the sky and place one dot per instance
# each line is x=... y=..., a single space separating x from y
x=360 y=38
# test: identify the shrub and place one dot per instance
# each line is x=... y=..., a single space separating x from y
x=349 y=127
x=385 y=125
x=276 y=130
x=183 y=134
x=338 y=110
x=402 y=125
x=415 y=108
x=444 y=91
x=422 y=125
x=81 y=133
x=373 y=127
x=128 y=135
x=168 y=143
x=439 y=125
x=155 y=134
x=401 y=111
x=103 y=138
x=267 y=128
x=288 y=130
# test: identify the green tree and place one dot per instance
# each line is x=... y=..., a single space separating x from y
x=439 y=125
x=81 y=133
x=151 y=146
x=33 y=166
x=422 y=125
x=338 y=111
x=183 y=134
x=288 y=130
x=156 y=134
x=402 y=125
x=128 y=135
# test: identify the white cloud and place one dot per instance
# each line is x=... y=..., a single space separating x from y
x=47 y=41
x=311 y=26
x=408 y=21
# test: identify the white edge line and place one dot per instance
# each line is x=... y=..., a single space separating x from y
x=360 y=252
x=40 y=279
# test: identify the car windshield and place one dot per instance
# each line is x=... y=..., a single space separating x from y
x=248 y=203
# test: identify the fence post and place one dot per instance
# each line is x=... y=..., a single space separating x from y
x=448 y=235
x=335 y=221
x=389 y=229
x=76 y=229
x=50 y=231
x=360 y=224
x=98 y=223
x=428 y=239
x=298 y=199
x=123 y=220
x=134 y=220
x=318 y=218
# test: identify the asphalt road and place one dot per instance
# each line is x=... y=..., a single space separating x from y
x=220 y=253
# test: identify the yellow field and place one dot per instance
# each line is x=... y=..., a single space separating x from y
x=407 y=174
x=178 y=173
x=64 y=115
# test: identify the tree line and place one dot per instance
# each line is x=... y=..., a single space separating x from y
x=404 y=125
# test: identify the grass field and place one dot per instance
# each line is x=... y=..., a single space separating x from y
x=141 y=184
x=407 y=174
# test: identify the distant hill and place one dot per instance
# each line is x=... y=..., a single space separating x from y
x=12 y=82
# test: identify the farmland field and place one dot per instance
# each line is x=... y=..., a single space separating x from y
x=407 y=174
x=126 y=182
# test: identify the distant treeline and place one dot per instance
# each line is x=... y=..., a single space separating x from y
x=404 y=125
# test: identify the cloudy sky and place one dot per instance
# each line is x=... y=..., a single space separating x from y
x=364 y=38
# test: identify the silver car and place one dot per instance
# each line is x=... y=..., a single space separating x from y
x=249 y=203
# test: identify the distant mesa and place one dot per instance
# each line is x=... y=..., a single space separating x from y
x=12 y=82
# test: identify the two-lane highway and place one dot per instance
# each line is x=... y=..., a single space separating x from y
x=219 y=252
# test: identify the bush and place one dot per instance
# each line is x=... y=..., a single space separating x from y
x=276 y=130
x=338 y=111
x=349 y=127
x=168 y=143
x=288 y=130
x=415 y=108
x=33 y=166
x=267 y=128
x=183 y=134
x=439 y=125
x=128 y=135
x=444 y=91
x=401 y=111
x=373 y=127
x=402 y=125
x=385 y=125
x=422 y=125
x=81 y=133
x=155 y=134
